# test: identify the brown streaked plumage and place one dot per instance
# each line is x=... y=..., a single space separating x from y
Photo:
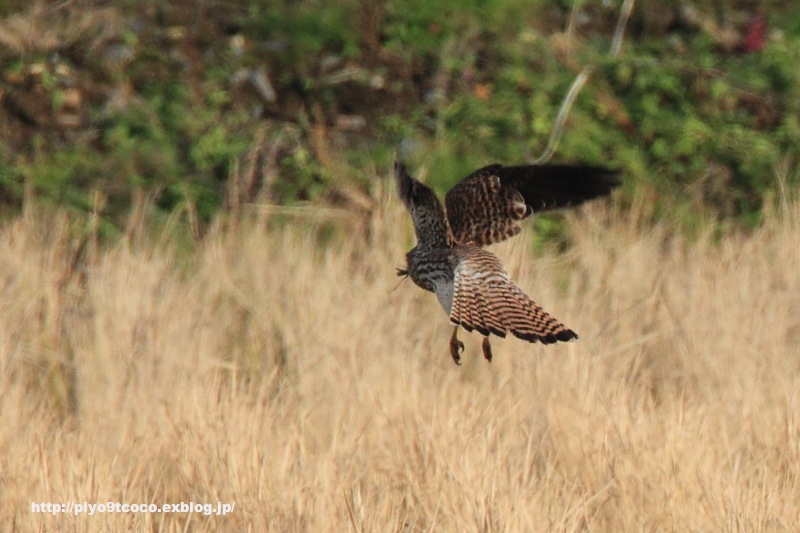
x=471 y=283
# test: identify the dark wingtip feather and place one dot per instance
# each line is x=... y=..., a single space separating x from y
x=605 y=179
x=566 y=335
x=526 y=336
x=498 y=332
x=551 y=186
x=482 y=330
x=403 y=182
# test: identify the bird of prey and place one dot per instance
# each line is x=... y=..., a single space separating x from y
x=471 y=283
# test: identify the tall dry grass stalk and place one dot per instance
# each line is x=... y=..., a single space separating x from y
x=293 y=379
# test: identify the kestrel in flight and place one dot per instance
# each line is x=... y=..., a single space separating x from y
x=471 y=283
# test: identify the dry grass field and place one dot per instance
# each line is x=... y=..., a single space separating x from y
x=294 y=380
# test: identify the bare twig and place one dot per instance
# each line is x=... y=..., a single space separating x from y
x=622 y=21
x=558 y=128
x=580 y=81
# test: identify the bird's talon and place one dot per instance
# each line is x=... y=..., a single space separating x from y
x=487 y=349
x=456 y=349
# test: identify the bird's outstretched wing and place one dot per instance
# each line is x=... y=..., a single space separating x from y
x=425 y=208
x=485 y=207
x=487 y=300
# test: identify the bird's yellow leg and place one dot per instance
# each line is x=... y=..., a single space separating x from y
x=456 y=347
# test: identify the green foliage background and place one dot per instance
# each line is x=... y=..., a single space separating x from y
x=101 y=103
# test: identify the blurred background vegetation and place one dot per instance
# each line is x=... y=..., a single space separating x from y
x=196 y=106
